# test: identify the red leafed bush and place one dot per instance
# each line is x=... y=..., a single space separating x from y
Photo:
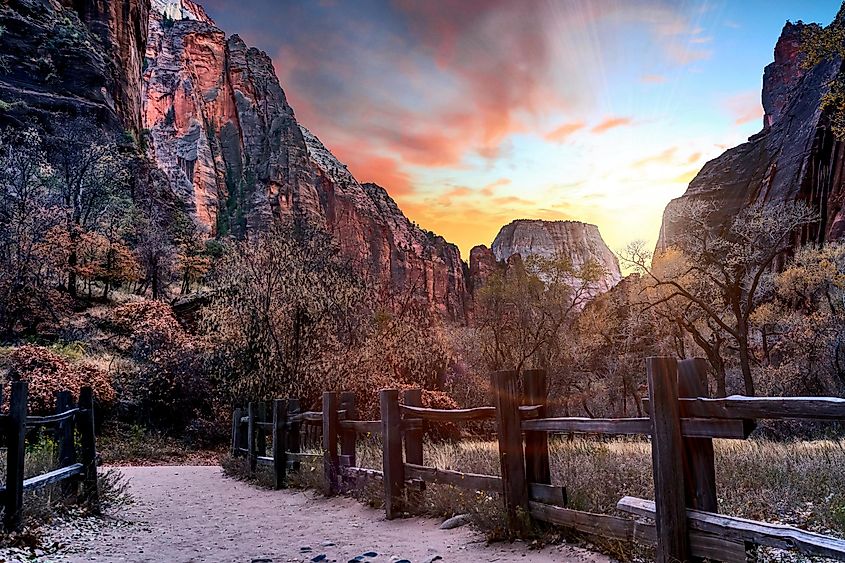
x=171 y=388
x=47 y=372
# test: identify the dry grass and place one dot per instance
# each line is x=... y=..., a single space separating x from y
x=797 y=483
x=43 y=505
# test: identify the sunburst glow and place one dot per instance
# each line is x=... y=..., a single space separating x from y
x=472 y=114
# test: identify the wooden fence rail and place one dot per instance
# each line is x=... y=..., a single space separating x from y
x=74 y=468
x=681 y=523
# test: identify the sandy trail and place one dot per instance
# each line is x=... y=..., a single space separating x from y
x=191 y=513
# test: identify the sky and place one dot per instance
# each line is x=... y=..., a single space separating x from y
x=475 y=113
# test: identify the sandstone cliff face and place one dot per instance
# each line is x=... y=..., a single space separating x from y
x=79 y=58
x=580 y=242
x=482 y=265
x=222 y=130
x=794 y=157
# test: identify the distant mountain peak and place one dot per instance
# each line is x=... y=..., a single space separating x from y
x=181 y=10
x=574 y=240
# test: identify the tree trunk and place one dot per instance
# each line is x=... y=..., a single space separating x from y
x=71 y=274
x=720 y=377
x=745 y=365
x=154 y=281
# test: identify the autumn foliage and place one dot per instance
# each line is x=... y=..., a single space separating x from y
x=171 y=388
x=48 y=373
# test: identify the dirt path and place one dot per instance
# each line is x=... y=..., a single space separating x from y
x=191 y=513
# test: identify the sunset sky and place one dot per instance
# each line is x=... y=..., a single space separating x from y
x=474 y=113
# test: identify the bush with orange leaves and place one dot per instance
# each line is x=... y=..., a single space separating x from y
x=48 y=372
x=171 y=389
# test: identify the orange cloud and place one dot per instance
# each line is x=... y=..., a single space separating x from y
x=562 y=132
x=460 y=191
x=382 y=170
x=744 y=107
x=490 y=188
x=653 y=78
x=609 y=123
x=512 y=200
x=687 y=176
x=465 y=223
x=665 y=157
x=446 y=198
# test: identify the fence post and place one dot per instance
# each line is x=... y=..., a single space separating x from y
x=88 y=449
x=537 y=468
x=280 y=458
x=251 y=454
x=413 y=441
x=667 y=460
x=392 y=466
x=64 y=439
x=699 y=460
x=237 y=439
x=511 y=455
x=413 y=438
x=331 y=466
x=15 y=456
x=261 y=430
x=294 y=427
x=348 y=438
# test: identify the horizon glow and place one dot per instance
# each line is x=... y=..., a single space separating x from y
x=472 y=114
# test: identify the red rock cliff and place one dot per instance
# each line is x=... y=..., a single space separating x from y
x=794 y=157
x=222 y=130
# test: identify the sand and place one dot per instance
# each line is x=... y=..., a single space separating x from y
x=194 y=513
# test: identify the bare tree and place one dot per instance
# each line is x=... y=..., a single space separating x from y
x=26 y=220
x=718 y=270
x=90 y=177
x=523 y=309
x=279 y=301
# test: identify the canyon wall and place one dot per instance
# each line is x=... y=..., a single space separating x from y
x=793 y=158
x=73 y=58
x=222 y=130
x=211 y=114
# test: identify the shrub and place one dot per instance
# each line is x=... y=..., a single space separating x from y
x=47 y=372
x=171 y=388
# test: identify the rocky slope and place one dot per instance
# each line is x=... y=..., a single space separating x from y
x=222 y=130
x=794 y=157
x=580 y=242
x=73 y=57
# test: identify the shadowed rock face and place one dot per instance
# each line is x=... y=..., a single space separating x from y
x=794 y=157
x=222 y=130
x=73 y=57
x=482 y=265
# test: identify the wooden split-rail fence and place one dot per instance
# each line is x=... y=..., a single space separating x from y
x=682 y=522
x=74 y=467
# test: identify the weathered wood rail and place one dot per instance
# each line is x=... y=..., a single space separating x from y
x=682 y=522
x=75 y=467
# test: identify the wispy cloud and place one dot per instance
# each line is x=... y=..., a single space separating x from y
x=609 y=123
x=744 y=107
x=564 y=131
x=665 y=157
